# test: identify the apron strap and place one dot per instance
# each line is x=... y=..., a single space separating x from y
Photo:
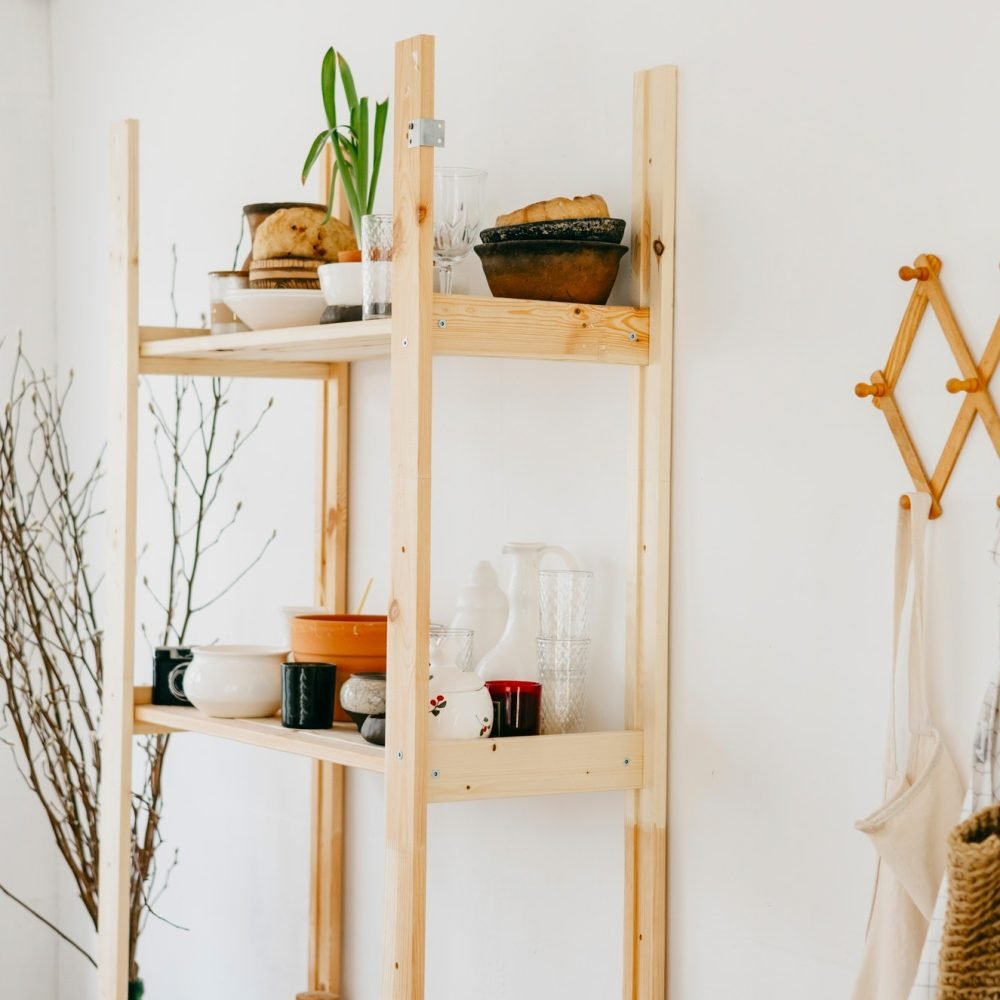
x=911 y=534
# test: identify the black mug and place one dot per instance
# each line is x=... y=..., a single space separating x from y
x=307 y=692
x=169 y=665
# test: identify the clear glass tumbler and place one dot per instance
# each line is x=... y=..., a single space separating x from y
x=562 y=669
x=451 y=647
x=564 y=603
x=220 y=284
x=376 y=266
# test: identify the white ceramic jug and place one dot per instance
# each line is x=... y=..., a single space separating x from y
x=482 y=606
x=515 y=657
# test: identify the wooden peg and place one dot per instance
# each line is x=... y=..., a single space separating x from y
x=904 y=502
x=954 y=385
x=911 y=273
x=863 y=389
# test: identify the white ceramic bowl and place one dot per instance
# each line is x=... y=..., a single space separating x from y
x=235 y=682
x=341 y=283
x=276 y=308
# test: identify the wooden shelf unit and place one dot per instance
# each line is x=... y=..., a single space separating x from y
x=417 y=771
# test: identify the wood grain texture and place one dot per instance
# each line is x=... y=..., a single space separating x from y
x=521 y=328
x=224 y=367
x=648 y=587
x=409 y=532
x=468 y=770
x=326 y=889
x=329 y=780
x=340 y=745
x=464 y=325
x=119 y=589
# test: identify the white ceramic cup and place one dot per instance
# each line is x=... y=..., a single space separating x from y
x=235 y=682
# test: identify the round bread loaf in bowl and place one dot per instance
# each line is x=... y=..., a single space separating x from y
x=301 y=232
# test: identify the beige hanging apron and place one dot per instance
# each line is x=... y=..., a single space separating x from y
x=920 y=804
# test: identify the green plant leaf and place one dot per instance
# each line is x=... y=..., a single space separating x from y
x=314 y=152
x=381 y=116
x=361 y=171
x=349 y=189
x=348 y=77
x=331 y=193
x=328 y=81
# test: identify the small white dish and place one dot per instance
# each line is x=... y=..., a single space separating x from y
x=235 y=682
x=276 y=308
x=341 y=283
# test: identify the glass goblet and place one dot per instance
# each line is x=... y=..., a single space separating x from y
x=458 y=201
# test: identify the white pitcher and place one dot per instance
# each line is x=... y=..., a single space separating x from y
x=514 y=658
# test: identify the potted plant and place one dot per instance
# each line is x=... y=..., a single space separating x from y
x=357 y=158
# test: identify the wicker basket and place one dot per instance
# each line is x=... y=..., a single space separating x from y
x=970 y=948
x=284 y=272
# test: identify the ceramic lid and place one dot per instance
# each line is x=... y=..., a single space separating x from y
x=451 y=680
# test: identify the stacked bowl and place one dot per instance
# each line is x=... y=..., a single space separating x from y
x=561 y=260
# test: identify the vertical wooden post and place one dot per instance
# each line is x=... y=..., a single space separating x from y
x=327 y=883
x=326 y=904
x=410 y=469
x=119 y=635
x=648 y=638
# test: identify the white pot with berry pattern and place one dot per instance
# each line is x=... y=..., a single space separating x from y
x=460 y=708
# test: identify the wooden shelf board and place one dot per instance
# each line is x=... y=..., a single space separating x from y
x=534 y=765
x=341 y=745
x=466 y=326
x=466 y=769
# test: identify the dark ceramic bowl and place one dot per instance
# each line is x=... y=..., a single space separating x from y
x=585 y=230
x=555 y=270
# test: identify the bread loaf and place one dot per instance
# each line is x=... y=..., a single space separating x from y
x=301 y=232
x=590 y=206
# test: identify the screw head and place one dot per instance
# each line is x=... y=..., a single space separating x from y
x=627 y=761
x=442 y=323
x=399 y=755
x=435 y=774
x=631 y=336
x=406 y=342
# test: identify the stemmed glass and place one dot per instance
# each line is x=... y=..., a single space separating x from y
x=458 y=200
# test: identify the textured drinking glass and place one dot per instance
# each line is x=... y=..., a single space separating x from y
x=562 y=669
x=376 y=266
x=564 y=603
x=220 y=284
x=451 y=647
x=458 y=201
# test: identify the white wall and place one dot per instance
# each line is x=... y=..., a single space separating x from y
x=820 y=148
x=28 y=858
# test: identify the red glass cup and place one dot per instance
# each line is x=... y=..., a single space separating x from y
x=516 y=707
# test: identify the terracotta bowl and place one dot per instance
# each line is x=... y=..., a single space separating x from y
x=556 y=270
x=355 y=644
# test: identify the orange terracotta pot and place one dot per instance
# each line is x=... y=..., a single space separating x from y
x=355 y=644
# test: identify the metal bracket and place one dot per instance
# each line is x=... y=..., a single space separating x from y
x=425 y=132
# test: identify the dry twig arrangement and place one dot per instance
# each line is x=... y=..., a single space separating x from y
x=51 y=666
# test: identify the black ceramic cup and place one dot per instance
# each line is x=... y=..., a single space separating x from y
x=169 y=665
x=307 y=691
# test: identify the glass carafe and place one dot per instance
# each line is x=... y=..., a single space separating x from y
x=515 y=658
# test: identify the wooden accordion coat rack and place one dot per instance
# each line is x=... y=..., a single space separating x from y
x=974 y=381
